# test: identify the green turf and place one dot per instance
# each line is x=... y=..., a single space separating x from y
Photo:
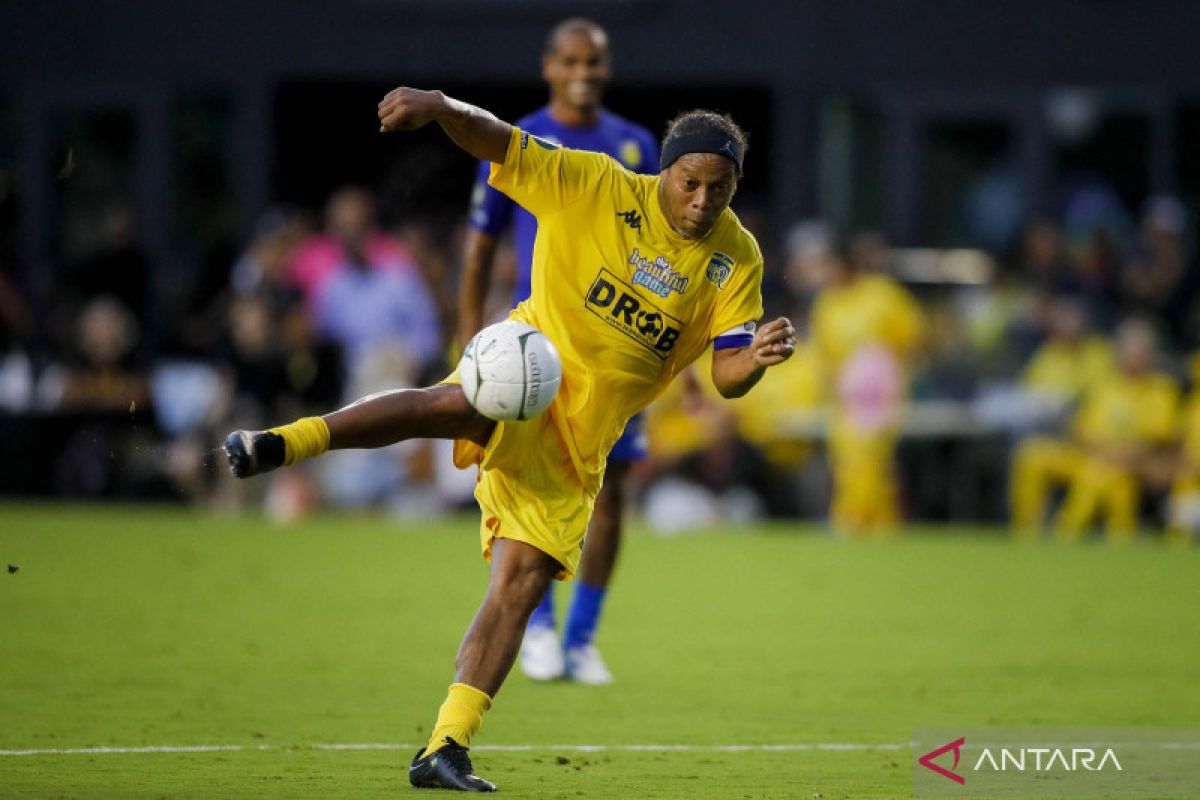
x=131 y=627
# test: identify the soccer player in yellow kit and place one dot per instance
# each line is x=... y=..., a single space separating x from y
x=1124 y=426
x=634 y=277
x=866 y=328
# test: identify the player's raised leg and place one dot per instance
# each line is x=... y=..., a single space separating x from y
x=438 y=412
x=519 y=577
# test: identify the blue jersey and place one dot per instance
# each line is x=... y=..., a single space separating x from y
x=492 y=211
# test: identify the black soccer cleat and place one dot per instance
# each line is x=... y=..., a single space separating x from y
x=447 y=768
x=253 y=452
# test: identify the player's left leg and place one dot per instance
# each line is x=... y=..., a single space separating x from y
x=520 y=574
x=582 y=659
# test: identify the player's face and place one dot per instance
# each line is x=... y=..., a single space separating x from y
x=577 y=69
x=695 y=190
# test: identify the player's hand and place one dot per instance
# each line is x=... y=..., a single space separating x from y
x=774 y=342
x=406 y=109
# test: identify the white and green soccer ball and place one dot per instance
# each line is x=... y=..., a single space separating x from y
x=510 y=371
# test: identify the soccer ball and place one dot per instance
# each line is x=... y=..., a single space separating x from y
x=510 y=371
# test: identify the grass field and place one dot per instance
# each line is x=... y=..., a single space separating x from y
x=145 y=627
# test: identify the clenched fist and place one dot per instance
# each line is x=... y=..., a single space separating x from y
x=774 y=342
x=406 y=109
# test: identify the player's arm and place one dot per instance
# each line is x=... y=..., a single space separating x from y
x=475 y=130
x=477 y=277
x=736 y=370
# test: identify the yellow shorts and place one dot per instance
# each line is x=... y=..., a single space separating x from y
x=528 y=490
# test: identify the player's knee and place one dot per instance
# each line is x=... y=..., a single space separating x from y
x=520 y=576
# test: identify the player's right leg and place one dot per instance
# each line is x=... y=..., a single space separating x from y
x=438 y=412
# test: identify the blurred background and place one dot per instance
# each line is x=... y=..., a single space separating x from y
x=981 y=216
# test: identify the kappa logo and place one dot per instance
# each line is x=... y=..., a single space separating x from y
x=720 y=267
x=620 y=306
x=632 y=218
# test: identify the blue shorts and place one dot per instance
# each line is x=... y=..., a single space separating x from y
x=632 y=445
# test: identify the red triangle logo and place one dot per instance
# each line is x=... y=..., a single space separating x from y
x=927 y=760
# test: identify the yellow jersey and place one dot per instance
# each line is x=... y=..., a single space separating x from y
x=1122 y=409
x=871 y=310
x=1190 y=423
x=627 y=301
x=1068 y=370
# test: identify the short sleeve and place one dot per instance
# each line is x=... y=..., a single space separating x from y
x=545 y=178
x=491 y=210
x=739 y=301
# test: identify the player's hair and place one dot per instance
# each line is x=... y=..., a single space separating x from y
x=702 y=121
x=575 y=25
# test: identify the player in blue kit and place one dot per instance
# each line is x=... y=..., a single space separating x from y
x=576 y=65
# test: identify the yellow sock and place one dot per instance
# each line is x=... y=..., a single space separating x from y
x=304 y=438
x=459 y=717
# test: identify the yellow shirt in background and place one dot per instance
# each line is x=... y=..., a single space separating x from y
x=1121 y=409
x=1068 y=370
x=871 y=310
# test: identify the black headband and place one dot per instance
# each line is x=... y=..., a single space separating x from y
x=715 y=143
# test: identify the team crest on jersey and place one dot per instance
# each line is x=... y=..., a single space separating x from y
x=720 y=267
x=622 y=308
x=656 y=275
x=630 y=154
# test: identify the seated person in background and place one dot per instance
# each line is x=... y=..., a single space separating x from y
x=1119 y=438
x=103 y=376
x=1070 y=360
x=1184 y=501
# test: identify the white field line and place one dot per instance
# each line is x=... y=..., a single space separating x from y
x=504 y=748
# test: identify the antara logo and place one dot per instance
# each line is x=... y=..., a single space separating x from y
x=1020 y=759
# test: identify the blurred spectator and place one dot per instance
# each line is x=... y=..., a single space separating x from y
x=1070 y=360
x=103 y=375
x=1157 y=270
x=866 y=328
x=254 y=359
x=16 y=368
x=715 y=475
x=435 y=245
x=263 y=268
x=350 y=226
x=1117 y=441
x=120 y=269
x=400 y=478
x=106 y=390
x=362 y=308
x=1042 y=259
x=810 y=260
x=1183 y=508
